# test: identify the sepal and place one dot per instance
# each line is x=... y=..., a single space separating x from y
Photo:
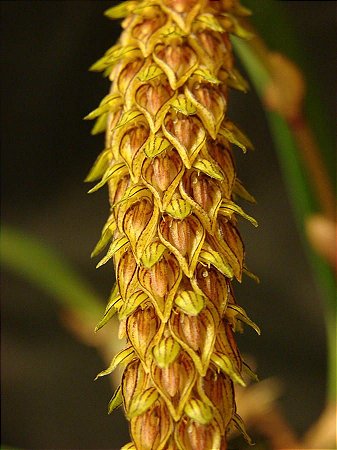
x=237 y=312
x=232 y=133
x=225 y=364
x=100 y=166
x=228 y=208
x=122 y=357
x=116 y=246
x=121 y=10
x=115 y=401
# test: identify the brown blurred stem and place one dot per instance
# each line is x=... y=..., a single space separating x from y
x=316 y=169
x=285 y=94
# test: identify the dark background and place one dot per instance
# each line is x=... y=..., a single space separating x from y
x=49 y=400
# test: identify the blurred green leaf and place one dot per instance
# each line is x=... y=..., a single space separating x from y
x=41 y=265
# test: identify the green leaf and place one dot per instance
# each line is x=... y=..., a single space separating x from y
x=210 y=256
x=129 y=446
x=205 y=73
x=114 y=303
x=236 y=81
x=242 y=315
x=251 y=275
x=113 y=55
x=248 y=372
x=238 y=422
x=128 y=117
x=132 y=303
x=107 y=316
x=242 y=192
x=237 y=27
x=33 y=259
x=108 y=104
x=106 y=236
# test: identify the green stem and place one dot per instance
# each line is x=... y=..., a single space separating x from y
x=300 y=194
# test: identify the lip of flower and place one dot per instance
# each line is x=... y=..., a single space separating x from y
x=175 y=245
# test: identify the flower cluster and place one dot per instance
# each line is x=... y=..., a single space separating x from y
x=173 y=231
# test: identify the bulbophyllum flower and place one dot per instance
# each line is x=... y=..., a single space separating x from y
x=172 y=231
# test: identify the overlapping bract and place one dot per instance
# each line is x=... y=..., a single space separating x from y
x=173 y=229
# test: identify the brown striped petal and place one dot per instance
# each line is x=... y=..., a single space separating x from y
x=134 y=381
x=161 y=282
x=210 y=106
x=218 y=389
x=184 y=238
x=196 y=334
x=147 y=30
x=191 y=435
x=175 y=382
x=186 y=134
x=214 y=286
x=162 y=175
x=151 y=430
x=154 y=100
x=139 y=225
x=177 y=61
x=131 y=148
x=142 y=327
x=127 y=274
x=204 y=196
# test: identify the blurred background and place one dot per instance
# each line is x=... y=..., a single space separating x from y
x=49 y=399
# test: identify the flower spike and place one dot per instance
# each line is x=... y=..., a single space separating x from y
x=173 y=231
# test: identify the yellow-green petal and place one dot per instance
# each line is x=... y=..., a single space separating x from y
x=142 y=402
x=198 y=411
x=166 y=351
x=190 y=302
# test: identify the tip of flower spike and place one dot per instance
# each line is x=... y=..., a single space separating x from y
x=121 y=10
